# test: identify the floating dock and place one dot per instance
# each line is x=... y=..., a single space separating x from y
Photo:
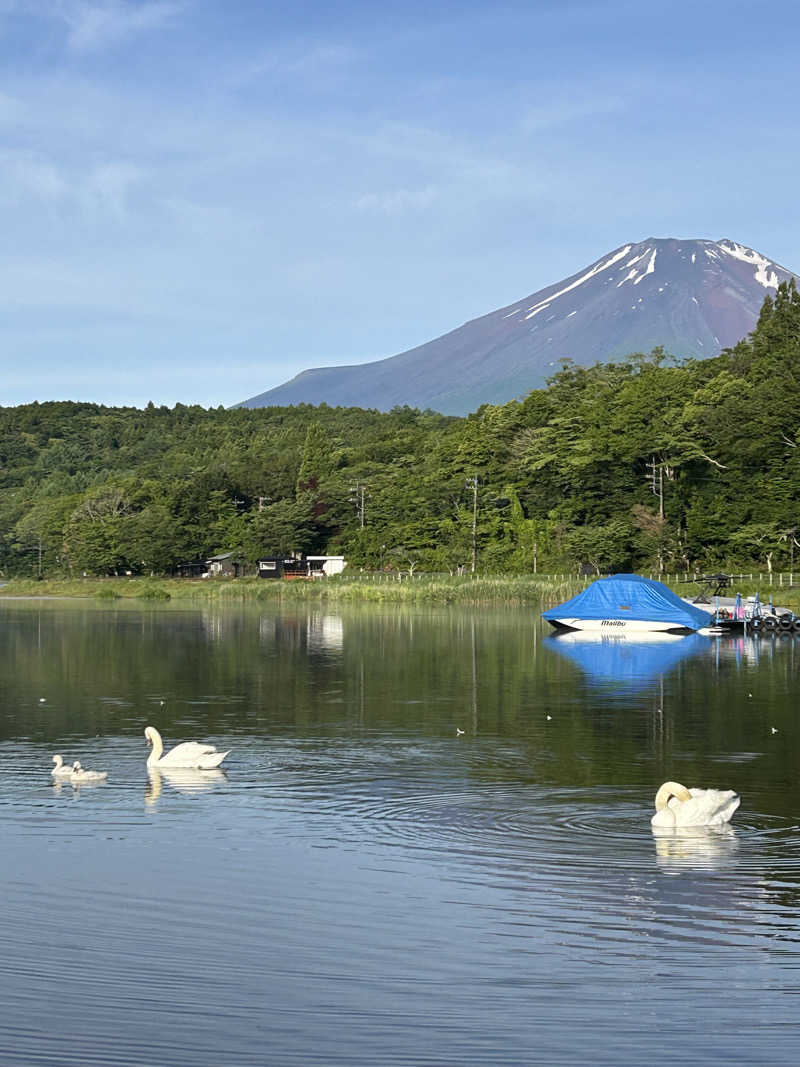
x=748 y=615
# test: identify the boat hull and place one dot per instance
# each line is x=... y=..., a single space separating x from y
x=618 y=626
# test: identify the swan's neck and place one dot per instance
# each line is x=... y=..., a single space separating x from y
x=158 y=747
x=669 y=790
x=58 y=760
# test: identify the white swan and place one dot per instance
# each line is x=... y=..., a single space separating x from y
x=678 y=806
x=79 y=775
x=60 y=770
x=189 y=755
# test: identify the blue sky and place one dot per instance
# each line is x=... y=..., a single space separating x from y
x=200 y=198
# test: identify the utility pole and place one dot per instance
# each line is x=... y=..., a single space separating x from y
x=657 y=484
x=358 y=490
x=657 y=489
x=472 y=483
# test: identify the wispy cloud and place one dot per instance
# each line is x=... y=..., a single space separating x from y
x=563 y=111
x=318 y=62
x=93 y=25
x=98 y=192
x=398 y=201
x=29 y=175
x=109 y=184
x=11 y=110
x=97 y=24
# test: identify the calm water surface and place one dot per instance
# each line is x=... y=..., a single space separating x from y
x=367 y=885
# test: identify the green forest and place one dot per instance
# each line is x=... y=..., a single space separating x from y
x=652 y=463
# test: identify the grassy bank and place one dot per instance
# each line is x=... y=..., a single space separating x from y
x=382 y=589
x=540 y=590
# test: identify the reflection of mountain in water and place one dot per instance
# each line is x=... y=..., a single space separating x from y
x=628 y=663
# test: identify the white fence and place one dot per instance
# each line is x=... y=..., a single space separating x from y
x=779 y=580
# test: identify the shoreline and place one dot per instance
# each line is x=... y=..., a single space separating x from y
x=439 y=589
x=383 y=589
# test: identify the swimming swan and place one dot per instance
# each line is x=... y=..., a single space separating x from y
x=60 y=770
x=191 y=754
x=79 y=775
x=678 y=806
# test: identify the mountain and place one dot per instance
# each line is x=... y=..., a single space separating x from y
x=692 y=297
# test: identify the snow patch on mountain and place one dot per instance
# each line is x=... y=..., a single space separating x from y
x=765 y=277
x=650 y=268
x=585 y=278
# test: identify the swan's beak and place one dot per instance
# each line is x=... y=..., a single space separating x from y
x=147 y=741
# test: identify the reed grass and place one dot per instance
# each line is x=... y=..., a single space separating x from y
x=419 y=589
x=543 y=590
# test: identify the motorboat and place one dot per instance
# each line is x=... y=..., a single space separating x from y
x=630 y=604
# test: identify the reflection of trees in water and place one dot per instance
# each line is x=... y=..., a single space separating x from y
x=424 y=672
x=398 y=668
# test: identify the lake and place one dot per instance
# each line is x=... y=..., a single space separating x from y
x=368 y=885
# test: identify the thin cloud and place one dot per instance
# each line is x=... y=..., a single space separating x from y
x=398 y=201
x=28 y=175
x=93 y=25
x=11 y=110
x=108 y=186
x=99 y=191
x=98 y=25
x=562 y=112
x=317 y=62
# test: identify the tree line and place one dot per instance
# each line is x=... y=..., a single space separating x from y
x=652 y=462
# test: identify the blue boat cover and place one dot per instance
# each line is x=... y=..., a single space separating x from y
x=625 y=662
x=629 y=596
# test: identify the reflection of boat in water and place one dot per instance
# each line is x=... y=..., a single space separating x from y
x=627 y=603
x=188 y=781
x=626 y=659
x=691 y=847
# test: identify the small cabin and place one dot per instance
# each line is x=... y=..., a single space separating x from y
x=225 y=565
x=271 y=567
x=196 y=569
x=299 y=566
x=295 y=567
x=324 y=566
